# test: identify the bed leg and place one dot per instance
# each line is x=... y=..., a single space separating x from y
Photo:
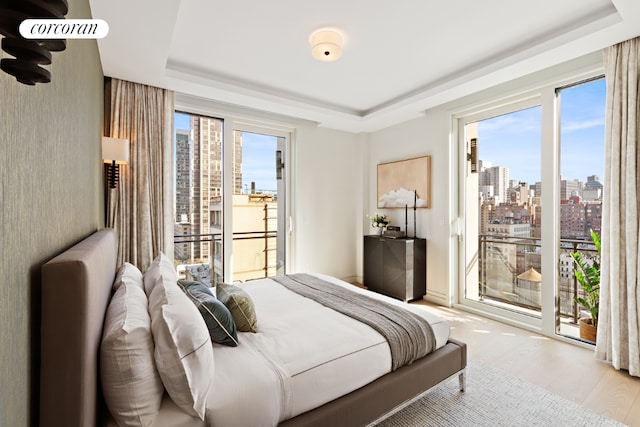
x=462 y=379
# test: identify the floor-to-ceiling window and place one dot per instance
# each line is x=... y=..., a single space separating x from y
x=198 y=186
x=229 y=199
x=258 y=204
x=506 y=189
x=530 y=193
x=581 y=126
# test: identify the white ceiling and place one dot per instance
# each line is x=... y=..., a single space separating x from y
x=399 y=58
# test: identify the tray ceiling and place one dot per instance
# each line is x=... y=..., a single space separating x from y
x=399 y=58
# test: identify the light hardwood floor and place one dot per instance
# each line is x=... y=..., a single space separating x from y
x=564 y=369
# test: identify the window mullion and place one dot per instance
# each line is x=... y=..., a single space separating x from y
x=550 y=224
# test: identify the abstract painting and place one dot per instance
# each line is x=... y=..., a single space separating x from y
x=405 y=183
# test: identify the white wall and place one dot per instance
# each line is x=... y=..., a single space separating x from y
x=424 y=136
x=327 y=185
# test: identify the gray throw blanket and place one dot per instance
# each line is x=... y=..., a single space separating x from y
x=409 y=336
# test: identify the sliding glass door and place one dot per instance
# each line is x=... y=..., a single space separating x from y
x=258 y=208
x=230 y=194
x=198 y=186
x=581 y=122
x=530 y=194
x=502 y=219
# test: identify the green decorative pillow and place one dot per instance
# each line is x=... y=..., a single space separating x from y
x=219 y=320
x=240 y=305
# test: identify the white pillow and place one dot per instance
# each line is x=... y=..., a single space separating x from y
x=183 y=348
x=128 y=274
x=160 y=266
x=131 y=384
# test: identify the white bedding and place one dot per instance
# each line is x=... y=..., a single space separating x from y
x=303 y=356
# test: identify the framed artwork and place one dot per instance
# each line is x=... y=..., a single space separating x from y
x=405 y=183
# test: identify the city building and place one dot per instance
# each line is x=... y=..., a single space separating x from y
x=254 y=219
x=592 y=189
x=570 y=188
x=184 y=177
x=577 y=218
x=182 y=251
x=498 y=178
x=520 y=193
x=487 y=214
x=206 y=177
x=509 y=229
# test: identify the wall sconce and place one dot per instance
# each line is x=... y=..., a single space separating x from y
x=472 y=156
x=115 y=152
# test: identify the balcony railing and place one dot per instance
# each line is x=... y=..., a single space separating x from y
x=503 y=261
x=205 y=250
x=510 y=273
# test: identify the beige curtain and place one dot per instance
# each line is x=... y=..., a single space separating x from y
x=140 y=209
x=618 y=327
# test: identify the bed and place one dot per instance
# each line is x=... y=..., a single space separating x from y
x=77 y=290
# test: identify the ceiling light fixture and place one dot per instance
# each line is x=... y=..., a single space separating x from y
x=326 y=44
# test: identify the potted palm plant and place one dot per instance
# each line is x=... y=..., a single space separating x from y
x=587 y=273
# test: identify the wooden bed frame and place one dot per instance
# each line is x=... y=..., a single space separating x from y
x=76 y=288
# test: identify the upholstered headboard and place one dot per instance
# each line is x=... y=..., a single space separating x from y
x=76 y=288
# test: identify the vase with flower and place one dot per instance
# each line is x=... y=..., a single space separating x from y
x=379 y=222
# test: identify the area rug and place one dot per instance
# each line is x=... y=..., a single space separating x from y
x=493 y=398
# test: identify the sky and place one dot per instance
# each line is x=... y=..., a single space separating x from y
x=181 y=121
x=513 y=140
x=259 y=161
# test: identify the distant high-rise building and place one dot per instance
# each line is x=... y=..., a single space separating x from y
x=498 y=177
x=509 y=229
x=484 y=186
x=537 y=189
x=487 y=214
x=184 y=156
x=486 y=192
x=570 y=189
x=199 y=178
x=592 y=188
x=519 y=193
x=207 y=175
x=572 y=221
x=593 y=218
x=182 y=251
x=514 y=214
x=593 y=182
x=578 y=218
x=536 y=221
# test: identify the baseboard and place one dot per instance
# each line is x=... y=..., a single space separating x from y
x=437 y=298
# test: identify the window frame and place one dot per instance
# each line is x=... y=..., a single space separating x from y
x=544 y=92
x=237 y=118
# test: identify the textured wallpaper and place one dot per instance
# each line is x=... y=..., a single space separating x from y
x=50 y=197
